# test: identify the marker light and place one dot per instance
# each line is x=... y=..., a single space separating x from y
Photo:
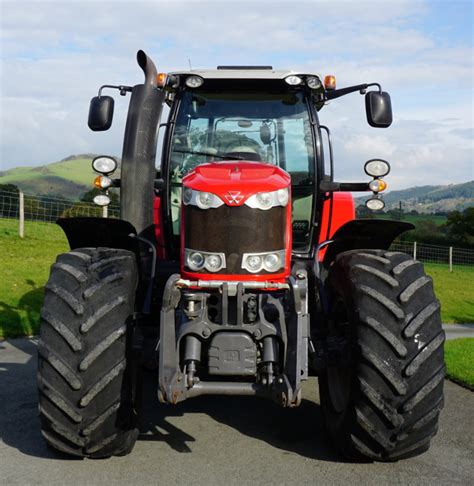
x=102 y=182
x=194 y=81
x=313 y=82
x=330 y=82
x=377 y=185
x=102 y=200
x=104 y=164
x=161 y=79
x=293 y=80
x=375 y=203
x=377 y=167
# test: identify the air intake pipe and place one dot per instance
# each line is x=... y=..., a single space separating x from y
x=139 y=148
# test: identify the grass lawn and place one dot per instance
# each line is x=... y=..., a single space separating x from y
x=455 y=290
x=459 y=358
x=26 y=263
x=25 y=270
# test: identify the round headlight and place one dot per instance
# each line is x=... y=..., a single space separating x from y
x=377 y=168
x=213 y=263
x=271 y=262
x=204 y=200
x=195 y=261
x=194 y=81
x=104 y=165
x=102 y=200
x=265 y=200
x=313 y=82
x=293 y=80
x=282 y=195
x=187 y=195
x=254 y=263
x=375 y=204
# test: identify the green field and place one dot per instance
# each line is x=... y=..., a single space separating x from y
x=459 y=358
x=26 y=263
x=418 y=218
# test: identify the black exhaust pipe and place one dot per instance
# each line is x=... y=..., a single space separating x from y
x=148 y=67
x=139 y=148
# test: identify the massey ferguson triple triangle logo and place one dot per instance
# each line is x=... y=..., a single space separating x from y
x=234 y=197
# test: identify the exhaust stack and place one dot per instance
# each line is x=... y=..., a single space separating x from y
x=139 y=148
x=148 y=67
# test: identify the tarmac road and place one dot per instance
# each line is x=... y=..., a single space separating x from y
x=213 y=440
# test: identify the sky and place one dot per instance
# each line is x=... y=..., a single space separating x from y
x=55 y=55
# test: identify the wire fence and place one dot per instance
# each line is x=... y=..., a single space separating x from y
x=31 y=216
x=446 y=255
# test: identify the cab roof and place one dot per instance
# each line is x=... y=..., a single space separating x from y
x=242 y=72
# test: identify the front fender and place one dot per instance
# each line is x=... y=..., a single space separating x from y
x=83 y=232
x=364 y=234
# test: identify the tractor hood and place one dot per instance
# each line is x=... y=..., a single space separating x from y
x=234 y=182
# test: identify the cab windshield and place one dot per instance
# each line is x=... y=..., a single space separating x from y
x=273 y=128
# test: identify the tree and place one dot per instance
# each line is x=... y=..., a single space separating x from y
x=460 y=227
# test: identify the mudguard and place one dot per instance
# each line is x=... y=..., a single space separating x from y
x=364 y=233
x=84 y=232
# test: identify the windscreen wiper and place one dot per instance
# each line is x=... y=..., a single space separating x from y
x=208 y=154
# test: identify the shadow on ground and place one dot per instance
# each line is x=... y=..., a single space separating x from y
x=22 y=319
x=297 y=430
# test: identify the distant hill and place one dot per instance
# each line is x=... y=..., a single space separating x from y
x=430 y=199
x=69 y=178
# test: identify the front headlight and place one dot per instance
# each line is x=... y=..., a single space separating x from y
x=203 y=200
x=377 y=168
x=104 y=165
x=267 y=200
x=197 y=260
x=270 y=261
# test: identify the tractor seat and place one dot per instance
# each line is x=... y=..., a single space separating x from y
x=247 y=153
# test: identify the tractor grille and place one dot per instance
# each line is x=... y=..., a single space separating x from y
x=234 y=231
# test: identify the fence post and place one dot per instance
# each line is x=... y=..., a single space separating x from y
x=450 y=258
x=21 y=228
x=414 y=250
x=105 y=211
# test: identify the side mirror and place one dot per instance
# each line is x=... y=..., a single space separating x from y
x=265 y=134
x=379 y=109
x=101 y=113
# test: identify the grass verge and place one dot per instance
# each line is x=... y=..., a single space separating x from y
x=459 y=358
x=455 y=292
x=25 y=270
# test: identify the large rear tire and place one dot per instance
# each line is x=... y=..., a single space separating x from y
x=383 y=402
x=86 y=379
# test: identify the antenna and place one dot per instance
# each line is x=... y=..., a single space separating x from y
x=189 y=62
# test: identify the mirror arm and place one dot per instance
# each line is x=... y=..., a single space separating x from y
x=329 y=186
x=123 y=89
x=337 y=93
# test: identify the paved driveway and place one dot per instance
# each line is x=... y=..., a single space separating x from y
x=222 y=441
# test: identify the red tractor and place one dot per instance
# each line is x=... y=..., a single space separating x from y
x=238 y=268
